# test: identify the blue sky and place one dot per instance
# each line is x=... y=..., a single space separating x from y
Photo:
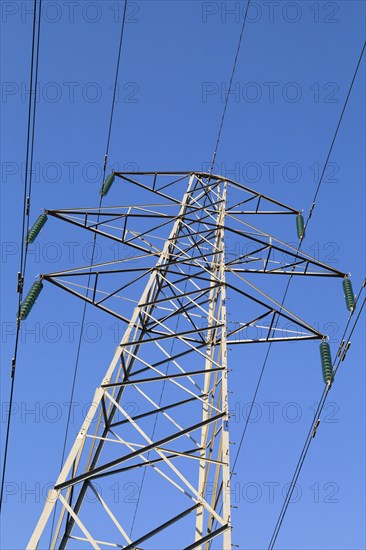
x=293 y=73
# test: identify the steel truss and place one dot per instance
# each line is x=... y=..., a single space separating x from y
x=172 y=359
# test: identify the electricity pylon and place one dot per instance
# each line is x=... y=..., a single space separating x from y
x=172 y=361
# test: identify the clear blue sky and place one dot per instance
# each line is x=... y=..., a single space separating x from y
x=294 y=70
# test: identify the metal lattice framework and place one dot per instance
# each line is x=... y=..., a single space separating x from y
x=172 y=359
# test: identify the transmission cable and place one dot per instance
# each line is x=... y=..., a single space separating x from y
x=301 y=241
x=315 y=422
x=229 y=89
x=93 y=250
x=298 y=249
x=31 y=120
x=336 y=133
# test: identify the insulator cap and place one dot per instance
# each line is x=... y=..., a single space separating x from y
x=107 y=185
x=300 y=226
x=30 y=299
x=326 y=360
x=348 y=294
x=34 y=231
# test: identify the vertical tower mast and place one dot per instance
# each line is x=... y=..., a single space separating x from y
x=216 y=392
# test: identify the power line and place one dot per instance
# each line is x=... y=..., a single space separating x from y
x=115 y=88
x=326 y=390
x=313 y=426
x=31 y=121
x=32 y=137
x=301 y=241
x=109 y=132
x=298 y=249
x=229 y=89
x=336 y=132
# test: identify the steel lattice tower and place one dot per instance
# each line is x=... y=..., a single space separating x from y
x=172 y=359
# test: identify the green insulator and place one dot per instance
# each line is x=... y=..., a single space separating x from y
x=107 y=185
x=30 y=299
x=326 y=360
x=348 y=294
x=300 y=226
x=36 y=228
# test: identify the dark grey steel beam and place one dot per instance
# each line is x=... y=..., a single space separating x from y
x=208 y=537
x=99 y=469
x=138 y=541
